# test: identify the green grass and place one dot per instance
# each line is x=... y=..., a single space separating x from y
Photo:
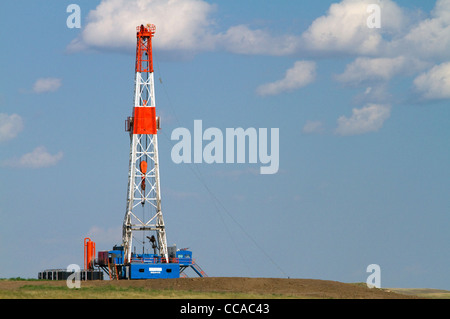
x=19 y=279
x=45 y=291
x=21 y=288
x=425 y=293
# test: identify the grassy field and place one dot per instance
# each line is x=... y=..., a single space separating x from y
x=17 y=288
x=424 y=293
x=27 y=289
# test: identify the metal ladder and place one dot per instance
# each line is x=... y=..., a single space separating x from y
x=198 y=270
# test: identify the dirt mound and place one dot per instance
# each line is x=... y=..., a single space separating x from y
x=297 y=288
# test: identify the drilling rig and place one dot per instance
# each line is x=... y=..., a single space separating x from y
x=143 y=214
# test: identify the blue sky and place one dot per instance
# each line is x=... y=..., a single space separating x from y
x=363 y=116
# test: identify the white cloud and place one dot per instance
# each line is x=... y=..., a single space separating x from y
x=301 y=74
x=38 y=158
x=367 y=119
x=243 y=40
x=313 y=127
x=404 y=32
x=435 y=83
x=344 y=27
x=188 y=26
x=180 y=25
x=377 y=93
x=429 y=38
x=364 y=70
x=43 y=85
x=10 y=126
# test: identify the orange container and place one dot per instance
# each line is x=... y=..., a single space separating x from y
x=89 y=253
x=144 y=120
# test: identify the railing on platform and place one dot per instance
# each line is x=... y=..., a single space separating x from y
x=155 y=260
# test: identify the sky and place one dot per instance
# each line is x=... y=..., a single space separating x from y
x=363 y=112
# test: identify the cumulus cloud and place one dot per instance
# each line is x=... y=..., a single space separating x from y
x=367 y=119
x=180 y=25
x=10 y=126
x=377 y=93
x=435 y=83
x=43 y=85
x=344 y=27
x=364 y=70
x=301 y=74
x=403 y=33
x=188 y=26
x=38 y=158
x=429 y=38
x=243 y=40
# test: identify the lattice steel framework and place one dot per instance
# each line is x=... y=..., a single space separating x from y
x=143 y=175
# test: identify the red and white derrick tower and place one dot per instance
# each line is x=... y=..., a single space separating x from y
x=143 y=176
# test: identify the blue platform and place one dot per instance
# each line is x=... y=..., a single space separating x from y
x=153 y=271
x=147 y=266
